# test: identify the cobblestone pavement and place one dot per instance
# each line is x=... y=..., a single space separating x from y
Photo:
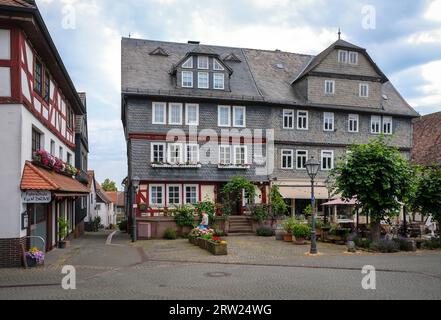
x=256 y=269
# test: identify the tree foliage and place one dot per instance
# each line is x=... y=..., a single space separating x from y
x=237 y=185
x=428 y=193
x=278 y=204
x=109 y=186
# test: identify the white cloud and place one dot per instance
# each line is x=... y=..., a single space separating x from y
x=433 y=11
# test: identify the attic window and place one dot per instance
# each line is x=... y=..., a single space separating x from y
x=159 y=52
x=232 y=57
x=342 y=56
x=217 y=66
x=280 y=66
x=353 y=57
x=188 y=64
x=203 y=63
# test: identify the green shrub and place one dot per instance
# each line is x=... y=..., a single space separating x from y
x=122 y=225
x=170 y=234
x=265 y=231
x=363 y=243
x=289 y=224
x=433 y=244
x=301 y=231
x=184 y=217
x=260 y=212
x=404 y=245
x=385 y=246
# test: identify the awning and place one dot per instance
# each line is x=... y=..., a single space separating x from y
x=341 y=202
x=37 y=178
x=303 y=193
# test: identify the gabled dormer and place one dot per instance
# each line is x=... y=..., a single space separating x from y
x=202 y=69
x=343 y=74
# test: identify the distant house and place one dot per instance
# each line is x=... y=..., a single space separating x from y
x=427 y=140
x=119 y=206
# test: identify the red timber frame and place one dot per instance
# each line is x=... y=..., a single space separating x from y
x=49 y=114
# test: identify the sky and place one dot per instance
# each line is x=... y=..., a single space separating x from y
x=402 y=36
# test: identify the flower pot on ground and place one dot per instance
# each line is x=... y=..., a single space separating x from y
x=63 y=225
x=34 y=258
x=217 y=248
x=301 y=232
x=288 y=226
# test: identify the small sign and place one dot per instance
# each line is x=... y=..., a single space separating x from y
x=37 y=197
x=24 y=220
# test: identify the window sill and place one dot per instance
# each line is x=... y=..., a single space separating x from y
x=234 y=167
x=177 y=166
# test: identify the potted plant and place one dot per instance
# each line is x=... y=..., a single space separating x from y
x=217 y=247
x=308 y=213
x=301 y=232
x=288 y=226
x=34 y=258
x=63 y=225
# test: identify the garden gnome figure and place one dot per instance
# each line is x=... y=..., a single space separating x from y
x=205 y=221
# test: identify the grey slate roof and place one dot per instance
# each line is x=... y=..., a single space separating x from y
x=255 y=78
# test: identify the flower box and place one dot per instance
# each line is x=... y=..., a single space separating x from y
x=176 y=166
x=234 y=167
x=217 y=249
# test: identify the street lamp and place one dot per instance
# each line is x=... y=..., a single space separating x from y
x=313 y=167
x=329 y=185
x=135 y=186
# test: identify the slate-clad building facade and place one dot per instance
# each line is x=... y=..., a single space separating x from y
x=179 y=99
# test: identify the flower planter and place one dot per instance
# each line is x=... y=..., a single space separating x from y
x=217 y=249
x=287 y=238
x=31 y=262
x=203 y=244
x=300 y=241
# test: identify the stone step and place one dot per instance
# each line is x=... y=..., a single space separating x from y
x=241 y=230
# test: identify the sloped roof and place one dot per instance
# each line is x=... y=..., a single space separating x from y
x=36 y=178
x=427 y=140
x=117 y=198
x=255 y=79
x=102 y=194
x=18 y=3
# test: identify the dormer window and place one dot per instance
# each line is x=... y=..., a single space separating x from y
x=353 y=58
x=203 y=63
x=188 y=64
x=203 y=81
x=342 y=56
x=219 y=81
x=187 y=79
x=217 y=66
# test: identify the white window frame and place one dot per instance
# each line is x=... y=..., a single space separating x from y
x=362 y=85
x=155 y=105
x=329 y=118
x=353 y=118
x=199 y=80
x=192 y=79
x=188 y=64
x=217 y=66
x=298 y=167
x=152 y=151
x=289 y=113
x=285 y=155
x=168 y=194
x=169 y=153
x=235 y=108
x=170 y=105
x=185 y=193
x=301 y=117
x=200 y=60
x=388 y=120
x=332 y=82
x=219 y=108
x=340 y=56
x=245 y=148
x=193 y=145
x=323 y=162
x=221 y=160
x=157 y=205
x=376 y=120
x=187 y=120
x=218 y=77
x=353 y=53
x=53 y=147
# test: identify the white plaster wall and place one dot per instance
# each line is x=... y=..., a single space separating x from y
x=5 y=44
x=5 y=82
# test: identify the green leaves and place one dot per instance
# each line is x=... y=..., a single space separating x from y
x=428 y=193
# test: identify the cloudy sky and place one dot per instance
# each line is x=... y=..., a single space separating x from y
x=404 y=39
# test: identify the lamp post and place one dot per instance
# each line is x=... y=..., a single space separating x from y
x=135 y=186
x=329 y=185
x=312 y=167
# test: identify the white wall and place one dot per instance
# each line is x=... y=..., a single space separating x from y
x=5 y=82
x=5 y=44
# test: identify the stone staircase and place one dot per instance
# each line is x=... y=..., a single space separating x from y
x=240 y=225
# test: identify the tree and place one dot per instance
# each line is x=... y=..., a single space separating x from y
x=278 y=204
x=380 y=178
x=428 y=194
x=234 y=190
x=109 y=186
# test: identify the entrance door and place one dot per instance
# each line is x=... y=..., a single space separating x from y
x=38 y=225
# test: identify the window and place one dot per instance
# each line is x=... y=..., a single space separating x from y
x=188 y=64
x=70 y=117
x=353 y=57
x=240 y=155
x=36 y=141
x=387 y=125
x=329 y=87
x=191 y=194
x=287 y=159
x=354 y=120
x=239 y=117
x=192 y=114
x=224 y=116
x=217 y=65
x=159 y=113
x=157 y=195
x=69 y=158
x=288 y=119
x=38 y=74
x=53 y=148
x=302 y=120
x=342 y=56
x=302 y=159
x=364 y=90
x=329 y=121
x=187 y=79
x=175 y=113
x=158 y=152
x=327 y=160
x=203 y=82
x=225 y=155
x=376 y=124
x=60 y=153
x=46 y=93
x=175 y=153
x=203 y=63
x=192 y=153
x=174 y=195
x=219 y=81
x=98 y=206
